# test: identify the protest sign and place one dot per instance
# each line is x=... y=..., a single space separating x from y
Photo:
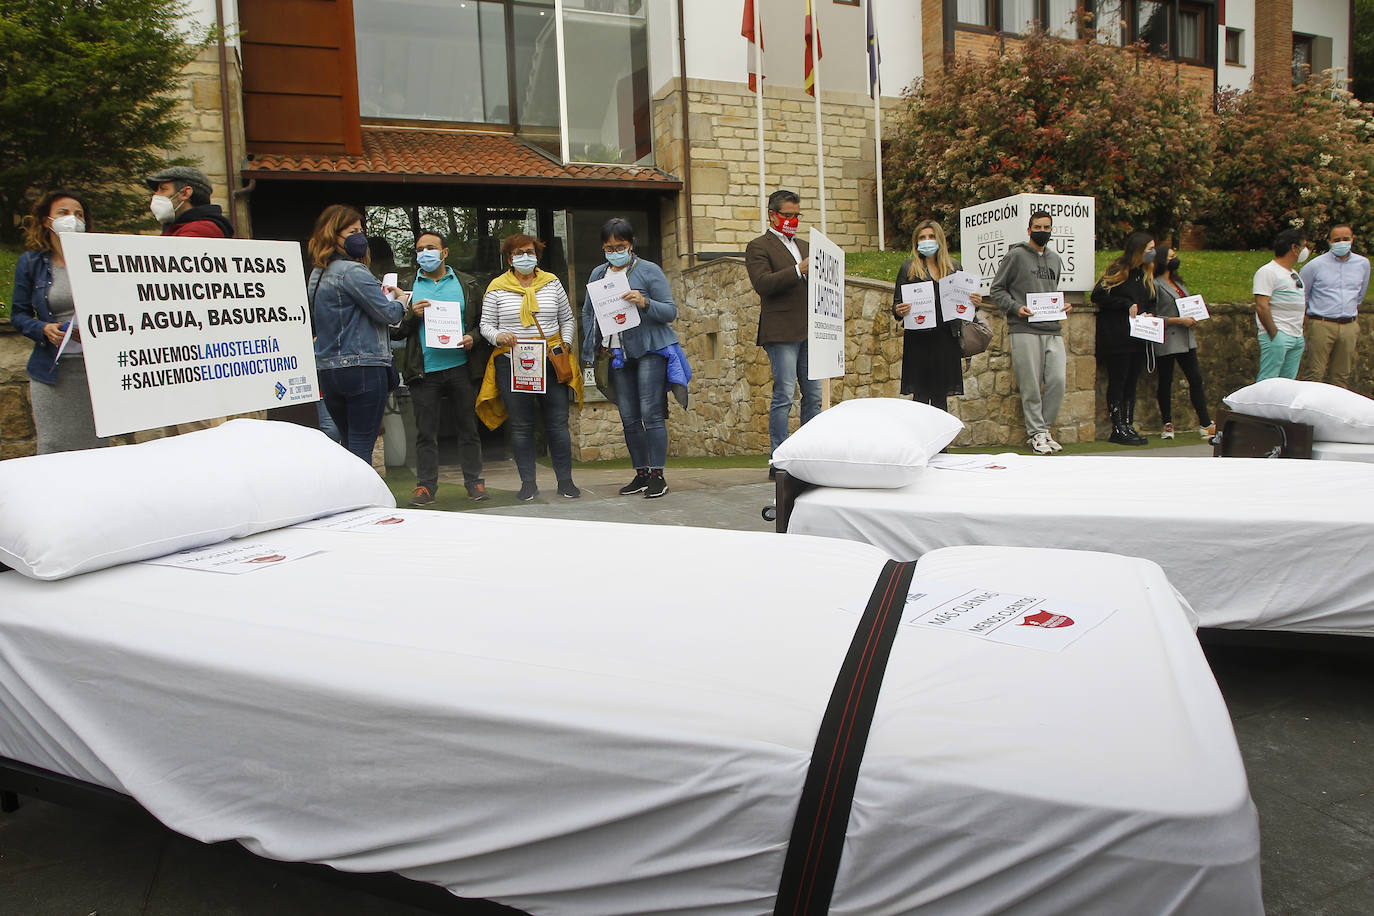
x=1192 y=307
x=988 y=230
x=1148 y=327
x=825 y=309
x=527 y=361
x=443 y=325
x=181 y=329
x=921 y=298
x=614 y=313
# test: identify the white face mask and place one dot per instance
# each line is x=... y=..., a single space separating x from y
x=163 y=209
x=68 y=223
x=1304 y=254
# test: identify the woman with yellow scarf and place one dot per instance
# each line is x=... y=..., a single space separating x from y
x=527 y=304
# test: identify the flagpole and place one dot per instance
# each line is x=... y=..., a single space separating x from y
x=878 y=160
x=816 y=79
x=758 y=106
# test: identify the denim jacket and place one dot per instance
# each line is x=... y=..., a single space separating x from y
x=29 y=312
x=352 y=316
x=653 y=331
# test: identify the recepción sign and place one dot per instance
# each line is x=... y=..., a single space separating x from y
x=987 y=230
x=183 y=329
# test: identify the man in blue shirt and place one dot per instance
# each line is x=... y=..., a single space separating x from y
x=433 y=372
x=1336 y=284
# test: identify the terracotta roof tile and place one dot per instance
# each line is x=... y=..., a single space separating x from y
x=453 y=156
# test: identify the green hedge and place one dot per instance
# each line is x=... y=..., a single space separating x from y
x=9 y=257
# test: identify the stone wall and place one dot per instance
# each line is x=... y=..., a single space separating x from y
x=198 y=106
x=16 y=416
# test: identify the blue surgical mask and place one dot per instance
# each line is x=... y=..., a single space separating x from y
x=524 y=263
x=1339 y=249
x=618 y=258
x=927 y=247
x=429 y=259
x=355 y=246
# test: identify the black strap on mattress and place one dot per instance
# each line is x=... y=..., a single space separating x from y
x=813 y=853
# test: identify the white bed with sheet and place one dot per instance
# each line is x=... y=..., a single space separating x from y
x=1250 y=543
x=465 y=700
x=1343 y=451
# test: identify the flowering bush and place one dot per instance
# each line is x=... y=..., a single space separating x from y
x=1298 y=157
x=1053 y=116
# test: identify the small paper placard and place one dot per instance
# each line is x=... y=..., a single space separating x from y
x=1192 y=307
x=1027 y=621
x=956 y=293
x=1148 y=327
x=357 y=520
x=978 y=463
x=527 y=366
x=233 y=558
x=389 y=280
x=613 y=313
x=921 y=298
x=1046 y=307
x=443 y=325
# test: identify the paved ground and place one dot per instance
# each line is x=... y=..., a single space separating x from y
x=1303 y=712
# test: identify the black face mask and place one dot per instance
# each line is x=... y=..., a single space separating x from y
x=1173 y=265
x=355 y=246
x=1041 y=239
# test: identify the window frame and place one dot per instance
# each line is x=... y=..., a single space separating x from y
x=1201 y=12
x=1238 y=61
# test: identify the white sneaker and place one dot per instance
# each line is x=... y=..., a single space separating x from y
x=1055 y=446
x=1040 y=444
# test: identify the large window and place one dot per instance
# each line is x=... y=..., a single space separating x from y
x=496 y=62
x=1055 y=16
x=973 y=12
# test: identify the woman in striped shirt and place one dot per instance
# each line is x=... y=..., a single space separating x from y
x=526 y=303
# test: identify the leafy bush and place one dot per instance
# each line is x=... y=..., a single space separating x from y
x=1298 y=157
x=1052 y=116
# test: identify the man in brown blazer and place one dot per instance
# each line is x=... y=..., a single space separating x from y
x=778 y=264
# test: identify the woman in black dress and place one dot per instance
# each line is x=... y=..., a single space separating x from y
x=931 y=357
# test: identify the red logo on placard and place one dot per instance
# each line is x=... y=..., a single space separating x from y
x=270 y=558
x=393 y=520
x=620 y=318
x=444 y=338
x=1047 y=620
x=527 y=363
x=920 y=319
x=961 y=309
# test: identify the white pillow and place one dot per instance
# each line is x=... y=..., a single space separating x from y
x=867 y=442
x=1335 y=415
x=74 y=512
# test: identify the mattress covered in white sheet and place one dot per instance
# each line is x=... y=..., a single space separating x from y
x=581 y=718
x=1343 y=451
x=1250 y=543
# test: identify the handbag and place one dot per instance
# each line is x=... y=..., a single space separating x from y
x=562 y=362
x=975 y=336
x=601 y=370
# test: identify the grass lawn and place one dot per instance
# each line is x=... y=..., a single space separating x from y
x=9 y=257
x=1218 y=276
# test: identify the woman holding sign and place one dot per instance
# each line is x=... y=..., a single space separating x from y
x=1126 y=290
x=641 y=379
x=1180 y=346
x=352 y=312
x=43 y=309
x=932 y=340
x=527 y=317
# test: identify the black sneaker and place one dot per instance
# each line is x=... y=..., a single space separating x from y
x=568 y=489
x=656 y=487
x=638 y=484
x=528 y=491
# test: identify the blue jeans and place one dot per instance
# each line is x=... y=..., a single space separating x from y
x=1279 y=357
x=641 y=393
x=327 y=424
x=789 y=369
x=520 y=413
x=355 y=397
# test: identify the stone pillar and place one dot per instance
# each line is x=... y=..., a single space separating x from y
x=199 y=106
x=17 y=437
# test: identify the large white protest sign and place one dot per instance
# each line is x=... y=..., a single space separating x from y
x=987 y=231
x=183 y=329
x=825 y=309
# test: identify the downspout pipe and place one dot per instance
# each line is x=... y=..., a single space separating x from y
x=686 y=137
x=229 y=191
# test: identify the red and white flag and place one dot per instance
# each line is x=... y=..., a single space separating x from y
x=755 y=45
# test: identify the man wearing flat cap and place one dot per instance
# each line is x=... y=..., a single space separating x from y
x=181 y=202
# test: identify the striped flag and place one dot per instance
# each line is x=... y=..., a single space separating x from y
x=755 y=45
x=875 y=56
x=813 y=39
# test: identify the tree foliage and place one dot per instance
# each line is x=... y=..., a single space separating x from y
x=1362 y=59
x=1291 y=158
x=1052 y=116
x=85 y=100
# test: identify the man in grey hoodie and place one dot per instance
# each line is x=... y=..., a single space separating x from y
x=1037 y=348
